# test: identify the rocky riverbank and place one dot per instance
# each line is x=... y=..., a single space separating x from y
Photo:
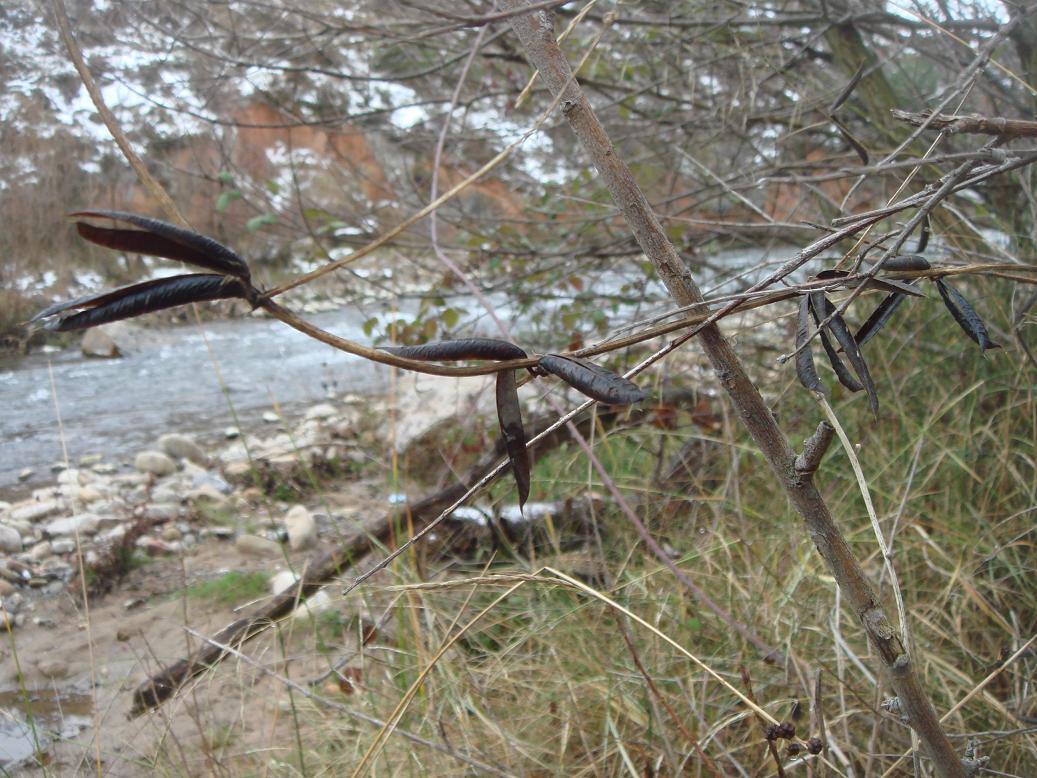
x=253 y=492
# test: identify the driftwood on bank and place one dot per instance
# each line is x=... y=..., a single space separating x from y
x=326 y=566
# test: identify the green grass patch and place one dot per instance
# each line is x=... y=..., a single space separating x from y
x=230 y=589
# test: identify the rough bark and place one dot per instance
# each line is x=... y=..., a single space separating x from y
x=536 y=32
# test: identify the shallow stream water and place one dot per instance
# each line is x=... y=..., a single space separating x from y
x=167 y=382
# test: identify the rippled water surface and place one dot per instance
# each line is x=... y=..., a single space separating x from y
x=167 y=382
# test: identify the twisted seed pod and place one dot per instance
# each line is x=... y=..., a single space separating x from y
x=161 y=239
x=882 y=313
x=141 y=298
x=838 y=327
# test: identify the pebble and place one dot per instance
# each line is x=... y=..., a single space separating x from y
x=10 y=539
x=231 y=432
x=25 y=473
x=14 y=571
x=270 y=417
x=13 y=602
x=203 y=478
x=41 y=551
x=320 y=411
x=69 y=477
x=207 y=493
x=35 y=510
x=52 y=668
x=301 y=526
x=282 y=581
x=155 y=463
x=167 y=493
x=180 y=446
x=157 y=546
x=84 y=523
x=254 y=545
x=88 y=494
x=6 y=587
x=97 y=343
x=316 y=604
x=63 y=545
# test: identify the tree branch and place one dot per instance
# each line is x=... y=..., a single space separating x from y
x=537 y=36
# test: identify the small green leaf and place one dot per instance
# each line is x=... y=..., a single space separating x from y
x=450 y=317
x=258 y=222
x=226 y=198
x=369 y=325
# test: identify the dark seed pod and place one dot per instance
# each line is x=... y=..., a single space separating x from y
x=906 y=262
x=805 y=369
x=592 y=380
x=509 y=414
x=965 y=315
x=142 y=298
x=884 y=284
x=842 y=372
x=923 y=236
x=855 y=144
x=160 y=239
x=848 y=89
x=793 y=748
x=823 y=308
x=815 y=745
x=453 y=350
x=882 y=313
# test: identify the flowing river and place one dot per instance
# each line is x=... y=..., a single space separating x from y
x=167 y=382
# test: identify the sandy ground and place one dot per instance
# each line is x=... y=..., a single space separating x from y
x=234 y=718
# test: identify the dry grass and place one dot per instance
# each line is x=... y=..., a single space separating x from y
x=556 y=679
